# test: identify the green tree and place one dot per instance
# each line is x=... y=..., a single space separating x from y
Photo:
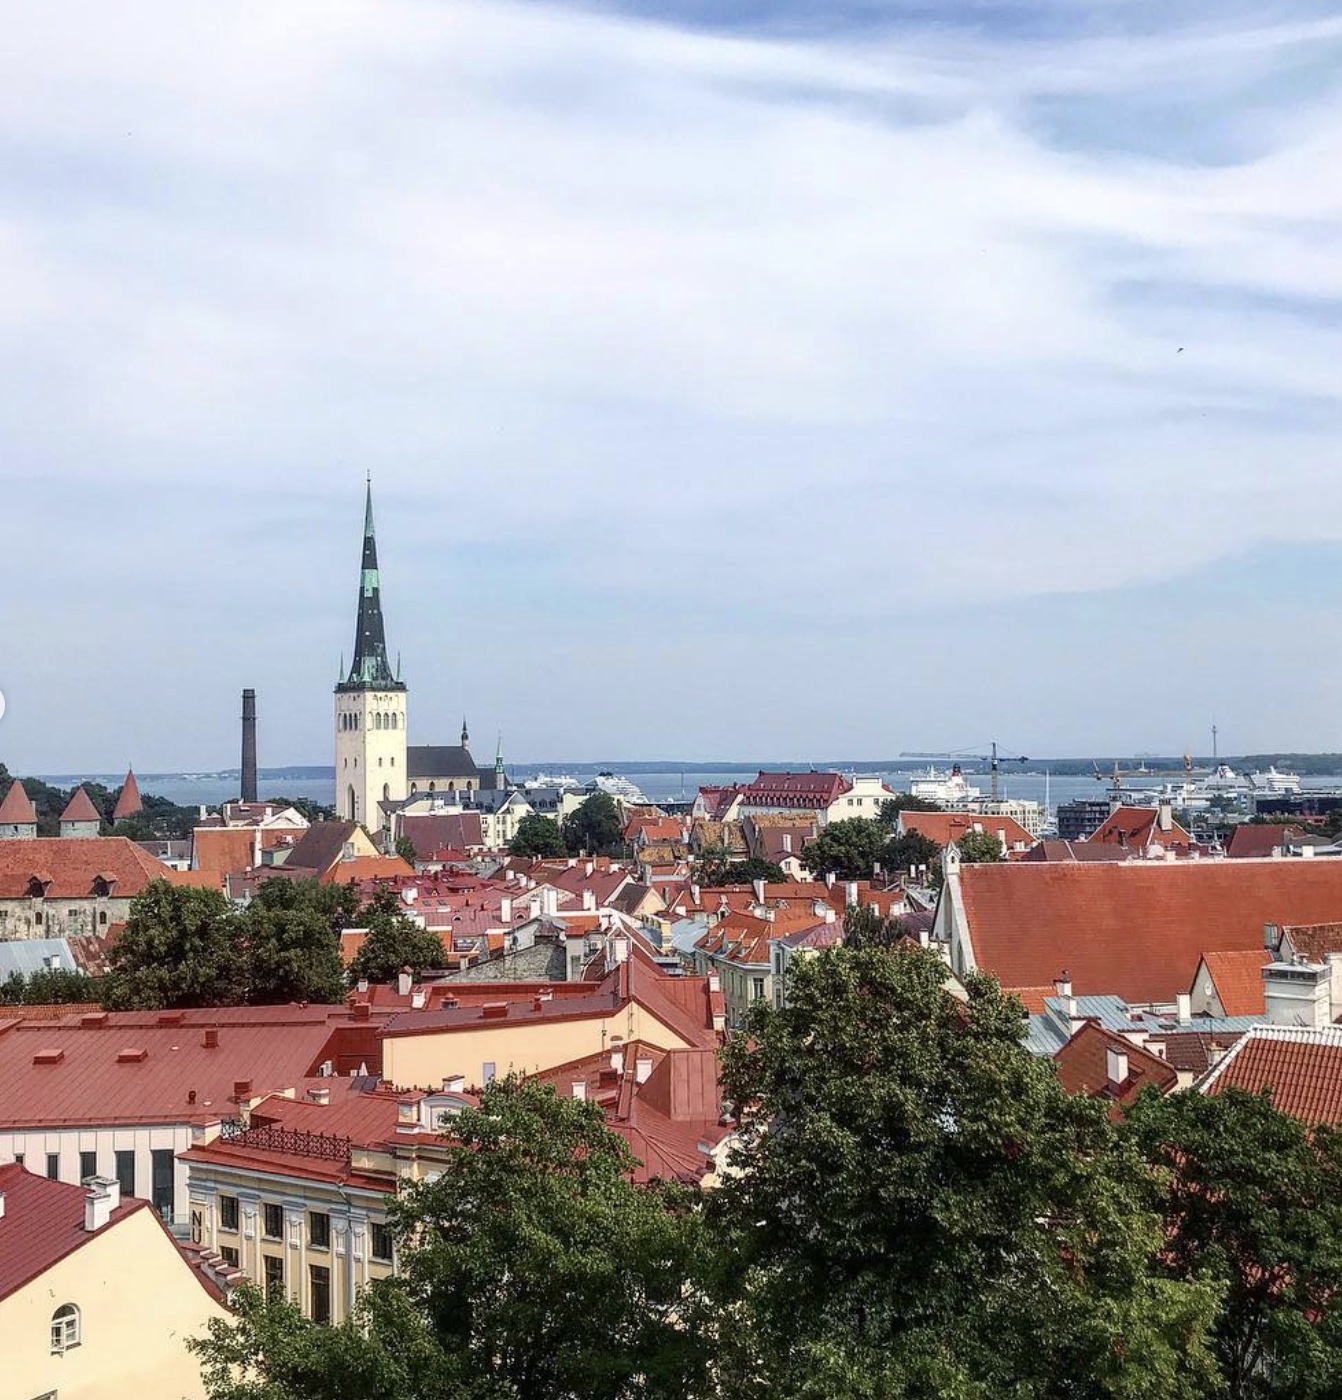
x=1255 y=1202
x=714 y=875
x=595 y=827
x=394 y=941
x=920 y=1210
x=848 y=849
x=184 y=946
x=913 y=849
x=306 y=808
x=979 y=848
x=49 y=987
x=405 y=848
x=863 y=927
x=533 y=1268
x=537 y=836
x=888 y=814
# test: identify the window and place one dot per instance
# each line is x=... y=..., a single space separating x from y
x=487 y=1072
x=319 y=1279
x=319 y=1229
x=125 y=1172
x=37 y=917
x=18 y=1159
x=88 y=1165
x=381 y=1243
x=64 y=1329
x=229 y=1255
x=273 y=1223
x=161 y=1185
x=53 y=1166
x=274 y=1276
x=228 y=1212
x=757 y=987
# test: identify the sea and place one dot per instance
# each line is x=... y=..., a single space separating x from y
x=659 y=783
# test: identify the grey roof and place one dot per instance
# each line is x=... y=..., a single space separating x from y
x=29 y=955
x=432 y=761
x=1048 y=1032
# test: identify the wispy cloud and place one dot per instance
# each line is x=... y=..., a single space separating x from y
x=836 y=313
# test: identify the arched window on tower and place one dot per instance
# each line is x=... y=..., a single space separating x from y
x=350 y=814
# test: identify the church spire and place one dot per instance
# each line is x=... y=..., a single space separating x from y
x=370 y=669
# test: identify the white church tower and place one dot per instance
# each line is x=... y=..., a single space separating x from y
x=370 y=709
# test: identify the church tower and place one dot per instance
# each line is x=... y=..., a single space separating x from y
x=370 y=708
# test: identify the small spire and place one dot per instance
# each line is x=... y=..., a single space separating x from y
x=465 y=734
x=498 y=753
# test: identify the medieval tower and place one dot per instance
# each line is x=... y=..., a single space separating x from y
x=370 y=709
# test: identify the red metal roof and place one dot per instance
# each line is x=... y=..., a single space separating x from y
x=1136 y=929
x=43 y=1222
x=1301 y=1066
x=945 y=827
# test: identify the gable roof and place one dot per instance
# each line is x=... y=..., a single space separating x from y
x=80 y=808
x=440 y=761
x=1314 y=942
x=1300 y=1065
x=1250 y=839
x=1136 y=828
x=813 y=789
x=321 y=845
x=1238 y=980
x=945 y=827
x=17 y=809
x=42 y=1224
x=1083 y=1066
x=71 y=864
x=1135 y=928
x=128 y=803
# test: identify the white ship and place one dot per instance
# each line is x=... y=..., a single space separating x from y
x=1223 y=781
x=948 y=789
x=621 y=788
x=1274 y=782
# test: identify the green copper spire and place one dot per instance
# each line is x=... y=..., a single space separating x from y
x=370 y=669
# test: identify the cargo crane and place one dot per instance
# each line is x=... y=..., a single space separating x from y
x=994 y=759
x=1118 y=774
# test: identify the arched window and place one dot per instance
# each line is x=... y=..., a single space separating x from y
x=414 y=787
x=64 y=1329
x=102 y=916
x=395 y=721
x=386 y=792
x=377 y=720
x=432 y=786
x=349 y=803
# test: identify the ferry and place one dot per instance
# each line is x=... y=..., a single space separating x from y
x=1275 y=782
x=947 y=789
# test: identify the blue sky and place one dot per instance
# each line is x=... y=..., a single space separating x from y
x=772 y=378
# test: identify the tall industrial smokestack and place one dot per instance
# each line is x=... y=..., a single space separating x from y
x=249 y=746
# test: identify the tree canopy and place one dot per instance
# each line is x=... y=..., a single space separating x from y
x=715 y=873
x=394 y=941
x=979 y=848
x=595 y=827
x=537 y=835
x=848 y=849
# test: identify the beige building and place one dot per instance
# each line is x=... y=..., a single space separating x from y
x=96 y=1300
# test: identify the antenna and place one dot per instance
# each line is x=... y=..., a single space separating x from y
x=1215 y=755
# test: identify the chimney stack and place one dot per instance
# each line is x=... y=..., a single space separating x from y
x=1116 y=1067
x=100 y=1200
x=249 y=746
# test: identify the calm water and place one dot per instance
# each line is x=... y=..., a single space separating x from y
x=213 y=788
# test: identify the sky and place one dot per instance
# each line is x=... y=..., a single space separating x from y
x=848 y=378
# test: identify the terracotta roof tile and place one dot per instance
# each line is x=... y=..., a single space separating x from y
x=1135 y=929
x=17 y=809
x=1238 y=979
x=80 y=808
x=1314 y=941
x=128 y=803
x=1083 y=1067
x=1301 y=1066
x=72 y=863
x=1137 y=827
x=1251 y=839
x=945 y=827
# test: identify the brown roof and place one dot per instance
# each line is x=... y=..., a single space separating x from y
x=128 y=803
x=321 y=846
x=80 y=808
x=1238 y=979
x=73 y=863
x=1314 y=941
x=1301 y=1066
x=1136 y=929
x=1053 y=848
x=1251 y=839
x=1083 y=1066
x=17 y=809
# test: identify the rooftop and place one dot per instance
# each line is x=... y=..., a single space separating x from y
x=1300 y=1066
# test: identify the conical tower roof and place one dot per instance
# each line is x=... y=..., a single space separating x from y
x=128 y=804
x=80 y=808
x=17 y=809
x=370 y=669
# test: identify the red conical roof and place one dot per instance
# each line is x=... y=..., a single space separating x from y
x=17 y=809
x=129 y=802
x=80 y=808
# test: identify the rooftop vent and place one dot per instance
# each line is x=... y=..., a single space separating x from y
x=494 y=1010
x=171 y=1018
x=48 y=1057
x=210 y=1040
x=132 y=1055
x=93 y=1018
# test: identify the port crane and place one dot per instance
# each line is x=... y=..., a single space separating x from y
x=1118 y=774
x=994 y=759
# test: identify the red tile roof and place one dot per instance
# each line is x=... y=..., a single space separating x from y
x=348 y=872
x=1301 y=1066
x=1136 y=929
x=1083 y=1067
x=80 y=808
x=74 y=862
x=1137 y=827
x=81 y=1070
x=1238 y=979
x=42 y=1224
x=1314 y=941
x=128 y=803
x=17 y=809
x=945 y=827
x=1251 y=839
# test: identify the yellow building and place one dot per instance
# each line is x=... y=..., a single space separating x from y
x=96 y=1300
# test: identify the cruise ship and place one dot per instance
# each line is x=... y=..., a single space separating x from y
x=948 y=789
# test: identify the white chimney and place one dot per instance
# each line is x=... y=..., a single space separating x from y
x=580 y=1089
x=2 y=1205
x=320 y=1095
x=642 y=1070
x=1165 y=819
x=1183 y=1008
x=617 y=1060
x=787 y=842
x=589 y=899
x=363 y=984
x=850 y=894
x=829 y=914
x=621 y=950
x=1116 y=1065
x=506 y=909
x=99 y=1203
x=829 y=879
x=418 y=998
x=694 y=893
x=454 y=1083
x=404 y=981
x=758 y=887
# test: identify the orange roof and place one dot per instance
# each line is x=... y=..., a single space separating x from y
x=73 y=863
x=1137 y=827
x=17 y=809
x=945 y=827
x=351 y=940
x=346 y=872
x=80 y=808
x=1301 y=1066
x=1134 y=928
x=1083 y=1067
x=128 y=803
x=1314 y=941
x=1238 y=979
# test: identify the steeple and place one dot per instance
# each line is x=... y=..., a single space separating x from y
x=370 y=669
x=465 y=734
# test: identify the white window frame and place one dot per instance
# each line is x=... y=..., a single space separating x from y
x=66 y=1331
